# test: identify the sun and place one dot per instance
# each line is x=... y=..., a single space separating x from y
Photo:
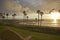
x=55 y=16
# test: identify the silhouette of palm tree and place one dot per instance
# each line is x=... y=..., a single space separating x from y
x=7 y=15
x=24 y=13
x=38 y=11
x=3 y=17
x=1 y=14
x=41 y=13
x=36 y=20
x=14 y=15
x=27 y=19
x=51 y=10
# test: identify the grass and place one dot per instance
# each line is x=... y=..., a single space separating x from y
x=2 y=28
x=49 y=30
x=35 y=35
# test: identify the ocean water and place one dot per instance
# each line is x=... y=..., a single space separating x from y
x=49 y=23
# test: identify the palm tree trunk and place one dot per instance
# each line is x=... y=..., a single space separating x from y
x=38 y=19
x=13 y=17
x=41 y=20
x=27 y=20
x=7 y=19
x=23 y=19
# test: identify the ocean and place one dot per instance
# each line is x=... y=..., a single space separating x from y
x=49 y=23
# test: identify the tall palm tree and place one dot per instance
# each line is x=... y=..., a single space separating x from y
x=14 y=15
x=38 y=11
x=36 y=20
x=3 y=17
x=7 y=15
x=24 y=13
x=27 y=19
x=51 y=10
x=41 y=13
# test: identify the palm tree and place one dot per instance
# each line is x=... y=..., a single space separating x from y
x=38 y=11
x=51 y=10
x=36 y=20
x=3 y=17
x=7 y=15
x=24 y=13
x=27 y=19
x=14 y=15
x=41 y=13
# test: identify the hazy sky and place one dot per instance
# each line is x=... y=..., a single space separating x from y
x=17 y=6
x=36 y=4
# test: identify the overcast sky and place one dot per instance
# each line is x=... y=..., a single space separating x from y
x=18 y=6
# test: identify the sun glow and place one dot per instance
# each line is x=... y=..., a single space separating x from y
x=55 y=16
